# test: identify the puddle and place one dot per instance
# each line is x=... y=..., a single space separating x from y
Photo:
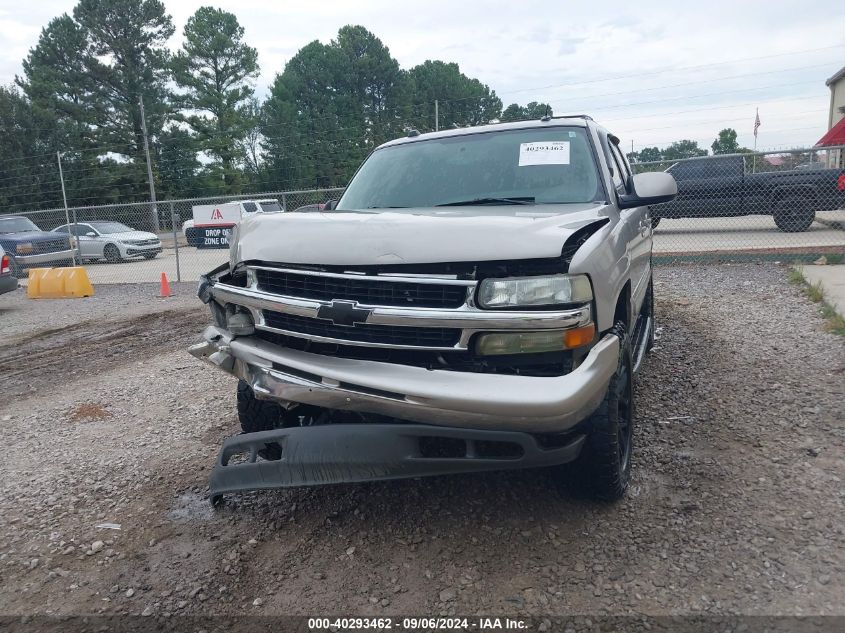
x=190 y=507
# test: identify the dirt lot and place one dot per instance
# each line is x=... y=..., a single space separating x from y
x=736 y=505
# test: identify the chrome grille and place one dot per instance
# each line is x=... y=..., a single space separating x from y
x=366 y=290
x=390 y=335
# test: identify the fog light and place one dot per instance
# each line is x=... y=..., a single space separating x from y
x=240 y=323
x=505 y=343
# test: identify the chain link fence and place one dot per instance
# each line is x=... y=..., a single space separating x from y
x=135 y=243
x=785 y=205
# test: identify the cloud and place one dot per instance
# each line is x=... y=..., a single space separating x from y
x=569 y=54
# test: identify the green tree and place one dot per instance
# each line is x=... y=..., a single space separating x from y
x=725 y=142
x=462 y=100
x=329 y=107
x=26 y=181
x=683 y=149
x=534 y=110
x=214 y=68
x=126 y=59
x=56 y=81
x=180 y=172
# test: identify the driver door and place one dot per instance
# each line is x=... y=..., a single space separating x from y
x=90 y=247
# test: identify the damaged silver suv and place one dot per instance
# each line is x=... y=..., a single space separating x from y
x=478 y=299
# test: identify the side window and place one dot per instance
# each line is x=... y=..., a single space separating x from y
x=83 y=229
x=62 y=229
x=250 y=207
x=619 y=166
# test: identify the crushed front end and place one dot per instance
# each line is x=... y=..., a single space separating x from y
x=403 y=370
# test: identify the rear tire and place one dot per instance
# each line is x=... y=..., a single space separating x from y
x=603 y=469
x=792 y=216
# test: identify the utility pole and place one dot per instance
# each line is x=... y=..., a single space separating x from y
x=64 y=197
x=436 y=115
x=154 y=217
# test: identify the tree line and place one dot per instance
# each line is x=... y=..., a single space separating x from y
x=725 y=143
x=83 y=83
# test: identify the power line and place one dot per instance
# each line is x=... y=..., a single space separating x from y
x=677 y=69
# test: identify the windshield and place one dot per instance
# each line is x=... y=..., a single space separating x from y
x=17 y=225
x=111 y=227
x=534 y=166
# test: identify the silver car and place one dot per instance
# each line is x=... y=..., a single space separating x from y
x=112 y=241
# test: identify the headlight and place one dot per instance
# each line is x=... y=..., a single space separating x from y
x=24 y=247
x=514 y=292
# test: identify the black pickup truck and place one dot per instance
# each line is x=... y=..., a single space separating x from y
x=734 y=185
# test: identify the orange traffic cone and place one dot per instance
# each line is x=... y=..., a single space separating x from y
x=165 y=286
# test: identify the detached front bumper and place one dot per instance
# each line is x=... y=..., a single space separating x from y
x=446 y=398
x=348 y=453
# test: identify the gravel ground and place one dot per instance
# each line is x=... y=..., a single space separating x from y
x=736 y=504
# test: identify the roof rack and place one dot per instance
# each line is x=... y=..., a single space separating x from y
x=567 y=116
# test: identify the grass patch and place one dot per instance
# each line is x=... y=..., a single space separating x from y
x=835 y=258
x=796 y=275
x=835 y=321
x=815 y=293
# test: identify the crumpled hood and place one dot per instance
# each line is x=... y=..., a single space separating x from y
x=412 y=236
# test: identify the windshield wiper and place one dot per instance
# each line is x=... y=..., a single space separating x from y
x=475 y=201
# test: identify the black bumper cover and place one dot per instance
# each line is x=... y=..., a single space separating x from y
x=347 y=453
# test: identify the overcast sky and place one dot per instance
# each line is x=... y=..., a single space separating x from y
x=652 y=72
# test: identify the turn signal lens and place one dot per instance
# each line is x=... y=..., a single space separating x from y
x=579 y=336
x=506 y=343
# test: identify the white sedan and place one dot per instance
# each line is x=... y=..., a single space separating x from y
x=112 y=241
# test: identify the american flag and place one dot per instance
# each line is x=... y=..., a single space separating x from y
x=756 y=123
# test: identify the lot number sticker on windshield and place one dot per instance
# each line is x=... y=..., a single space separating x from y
x=544 y=153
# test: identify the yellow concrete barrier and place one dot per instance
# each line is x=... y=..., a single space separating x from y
x=59 y=283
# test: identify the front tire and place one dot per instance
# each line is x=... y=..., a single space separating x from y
x=254 y=414
x=603 y=469
x=792 y=216
x=112 y=253
x=259 y=415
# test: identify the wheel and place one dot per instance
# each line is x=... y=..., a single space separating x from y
x=603 y=469
x=254 y=414
x=258 y=415
x=654 y=222
x=150 y=255
x=111 y=253
x=792 y=216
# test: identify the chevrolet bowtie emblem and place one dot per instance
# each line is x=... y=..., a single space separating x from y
x=343 y=313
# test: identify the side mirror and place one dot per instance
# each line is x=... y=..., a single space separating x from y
x=650 y=188
x=90 y=234
x=331 y=204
